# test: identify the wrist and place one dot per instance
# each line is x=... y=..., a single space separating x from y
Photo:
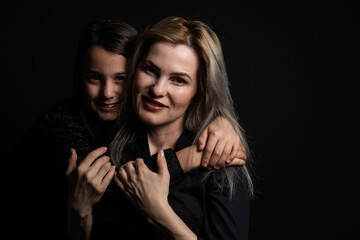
x=78 y=210
x=170 y=223
x=159 y=211
x=189 y=158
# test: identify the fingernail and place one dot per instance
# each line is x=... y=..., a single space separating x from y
x=204 y=164
x=162 y=153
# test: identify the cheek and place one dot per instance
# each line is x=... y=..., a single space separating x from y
x=91 y=91
x=184 y=98
x=136 y=97
x=143 y=81
x=120 y=89
x=140 y=83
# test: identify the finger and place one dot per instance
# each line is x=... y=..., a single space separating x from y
x=123 y=177
x=118 y=182
x=92 y=156
x=140 y=167
x=241 y=146
x=161 y=163
x=224 y=156
x=72 y=162
x=237 y=162
x=208 y=151
x=202 y=139
x=234 y=151
x=218 y=150
x=130 y=171
x=241 y=155
x=95 y=168
x=107 y=178
x=102 y=172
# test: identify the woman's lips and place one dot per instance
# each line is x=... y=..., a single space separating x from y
x=152 y=104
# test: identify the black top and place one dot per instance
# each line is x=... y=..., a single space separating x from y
x=40 y=160
x=198 y=201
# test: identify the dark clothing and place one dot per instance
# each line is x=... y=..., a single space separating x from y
x=114 y=215
x=198 y=201
x=40 y=194
x=43 y=155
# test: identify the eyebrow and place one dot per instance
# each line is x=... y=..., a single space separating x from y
x=181 y=74
x=95 y=72
x=184 y=74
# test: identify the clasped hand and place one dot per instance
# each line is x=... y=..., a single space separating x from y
x=147 y=190
x=88 y=181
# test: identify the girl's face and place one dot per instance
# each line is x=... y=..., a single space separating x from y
x=164 y=84
x=103 y=75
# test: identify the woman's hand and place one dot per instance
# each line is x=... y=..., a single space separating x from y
x=88 y=181
x=220 y=145
x=147 y=190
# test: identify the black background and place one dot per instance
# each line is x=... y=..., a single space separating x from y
x=293 y=66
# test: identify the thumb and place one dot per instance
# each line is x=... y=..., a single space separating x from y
x=161 y=163
x=72 y=162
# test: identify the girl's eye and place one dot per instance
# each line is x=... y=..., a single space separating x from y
x=120 y=78
x=93 y=78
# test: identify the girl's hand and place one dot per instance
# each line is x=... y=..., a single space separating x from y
x=88 y=181
x=220 y=145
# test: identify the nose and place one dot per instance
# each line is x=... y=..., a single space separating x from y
x=159 y=88
x=109 y=89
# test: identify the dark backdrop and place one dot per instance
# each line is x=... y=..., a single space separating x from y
x=292 y=66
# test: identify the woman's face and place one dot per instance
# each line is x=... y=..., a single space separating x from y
x=165 y=83
x=103 y=76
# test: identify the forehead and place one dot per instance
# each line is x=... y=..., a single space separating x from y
x=99 y=57
x=173 y=57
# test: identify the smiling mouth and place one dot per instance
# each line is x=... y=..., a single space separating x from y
x=108 y=107
x=153 y=105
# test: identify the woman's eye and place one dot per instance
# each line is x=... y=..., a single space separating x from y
x=178 y=81
x=150 y=70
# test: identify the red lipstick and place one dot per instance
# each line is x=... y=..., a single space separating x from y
x=152 y=105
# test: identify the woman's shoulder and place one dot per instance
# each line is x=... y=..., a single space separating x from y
x=226 y=179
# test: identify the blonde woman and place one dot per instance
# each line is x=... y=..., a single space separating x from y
x=178 y=85
x=94 y=206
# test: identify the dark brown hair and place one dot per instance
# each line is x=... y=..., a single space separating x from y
x=113 y=35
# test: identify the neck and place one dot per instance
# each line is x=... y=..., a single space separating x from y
x=163 y=137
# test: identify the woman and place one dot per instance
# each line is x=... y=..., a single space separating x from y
x=88 y=121
x=178 y=85
x=84 y=123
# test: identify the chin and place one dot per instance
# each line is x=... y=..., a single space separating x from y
x=107 y=117
x=150 y=122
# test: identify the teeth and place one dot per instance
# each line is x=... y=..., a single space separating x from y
x=110 y=105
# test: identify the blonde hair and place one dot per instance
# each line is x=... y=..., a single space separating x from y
x=213 y=96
